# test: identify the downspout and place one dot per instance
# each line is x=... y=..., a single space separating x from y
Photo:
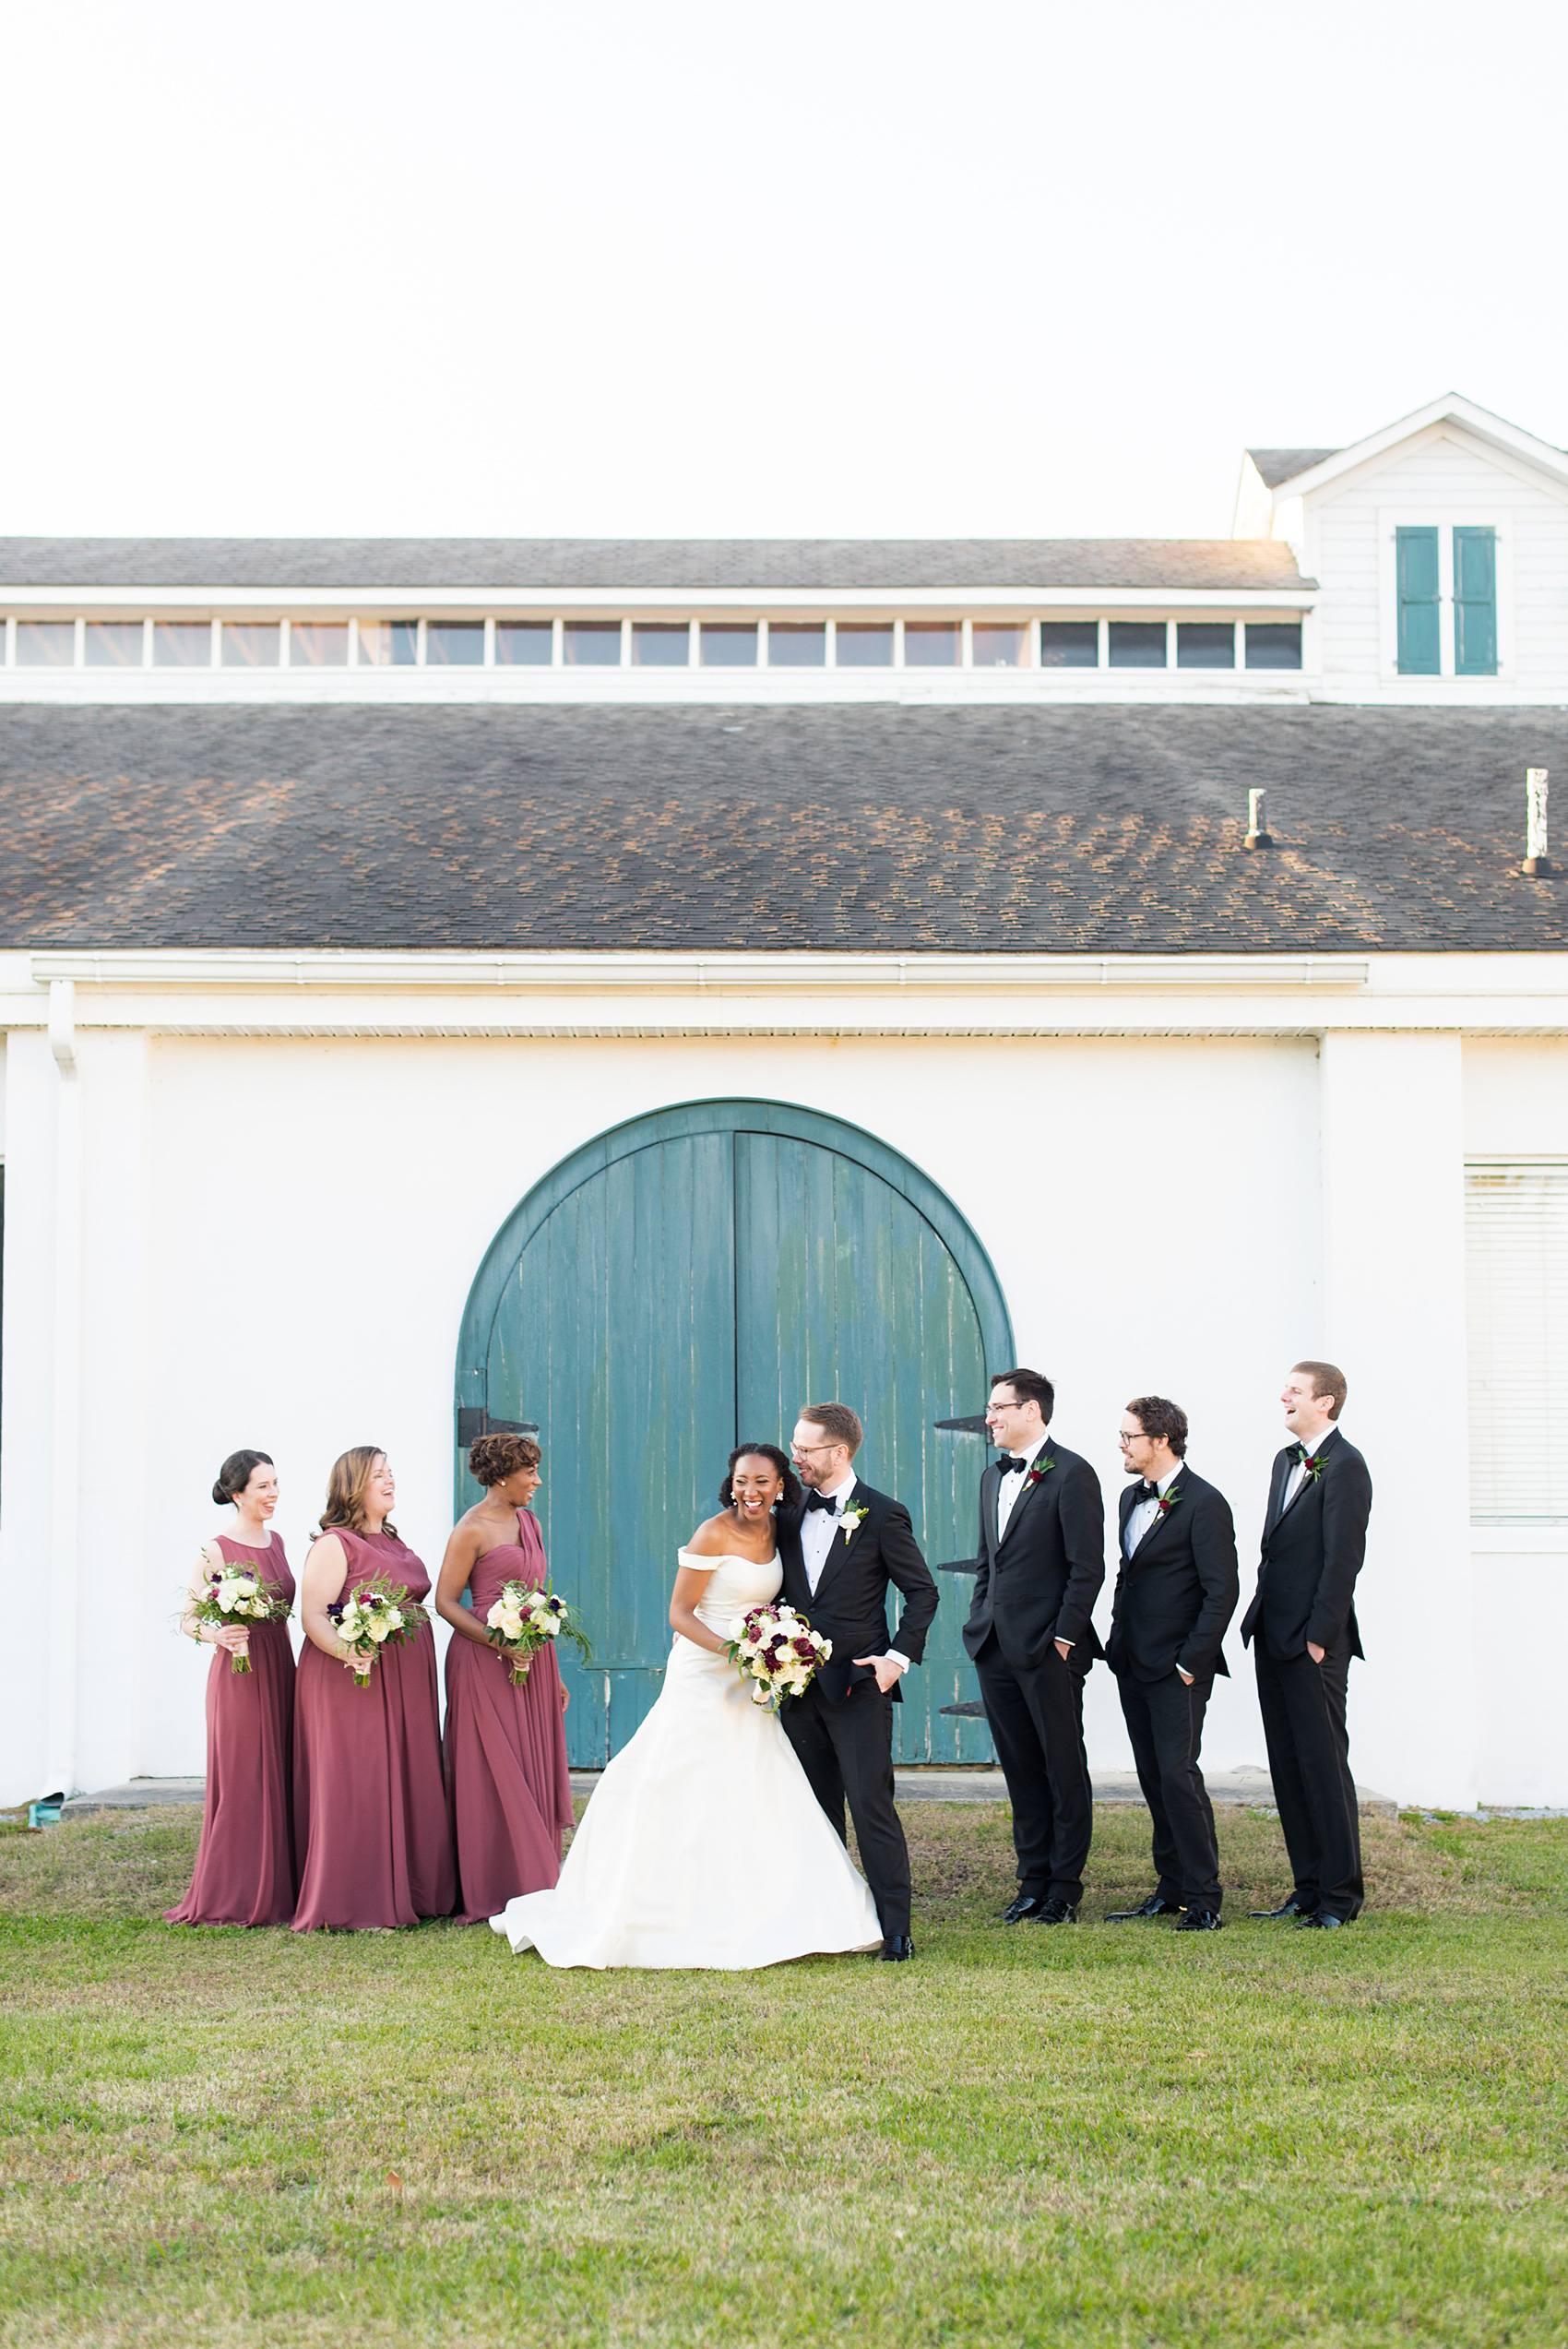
x=65 y=1415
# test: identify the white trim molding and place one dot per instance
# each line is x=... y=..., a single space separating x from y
x=267 y=993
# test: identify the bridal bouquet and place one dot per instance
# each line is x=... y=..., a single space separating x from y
x=373 y=1616
x=237 y=1595
x=777 y=1651
x=521 y=1621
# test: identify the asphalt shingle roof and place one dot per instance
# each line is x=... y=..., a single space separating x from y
x=1069 y=828
x=1279 y=465
x=427 y=566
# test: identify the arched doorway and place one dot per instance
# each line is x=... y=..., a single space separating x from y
x=685 y=1282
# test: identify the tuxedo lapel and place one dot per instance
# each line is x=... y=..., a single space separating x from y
x=838 y=1549
x=1033 y=1485
x=1152 y=1529
x=1278 y=1482
x=1310 y=1478
x=990 y=1482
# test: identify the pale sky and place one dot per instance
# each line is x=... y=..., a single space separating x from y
x=709 y=267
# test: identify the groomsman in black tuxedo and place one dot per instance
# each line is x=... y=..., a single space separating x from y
x=1176 y=1590
x=1302 y=1626
x=851 y=1543
x=1032 y=1638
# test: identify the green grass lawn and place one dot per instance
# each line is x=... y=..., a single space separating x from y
x=1098 y=2135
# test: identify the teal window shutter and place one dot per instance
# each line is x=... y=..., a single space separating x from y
x=1475 y=603
x=1416 y=555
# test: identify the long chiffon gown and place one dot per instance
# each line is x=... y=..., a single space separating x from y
x=508 y=1793
x=370 y=1813
x=704 y=1845
x=244 y=1868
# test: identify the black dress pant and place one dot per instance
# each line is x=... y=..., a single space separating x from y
x=1036 y=1716
x=1309 y=1760
x=1165 y=1722
x=846 y=1750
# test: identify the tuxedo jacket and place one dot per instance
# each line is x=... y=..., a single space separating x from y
x=1180 y=1588
x=851 y=1604
x=1311 y=1553
x=1040 y=1583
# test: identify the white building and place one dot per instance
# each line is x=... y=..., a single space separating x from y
x=625 y=985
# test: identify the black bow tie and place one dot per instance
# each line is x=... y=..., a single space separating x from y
x=1012 y=1461
x=821 y=1500
x=1303 y=1455
x=1148 y=1492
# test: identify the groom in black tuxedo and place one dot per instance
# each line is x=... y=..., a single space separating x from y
x=1302 y=1626
x=1176 y=1590
x=851 y=1543
x=1032 y=1638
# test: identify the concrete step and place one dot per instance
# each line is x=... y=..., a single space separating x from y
x=928 y=1783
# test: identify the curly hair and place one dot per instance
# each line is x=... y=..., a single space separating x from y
x=1158 y=1415
x=494 y=1458
x=791 y=1500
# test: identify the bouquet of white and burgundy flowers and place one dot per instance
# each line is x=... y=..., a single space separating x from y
x=237 y=1595
x=777 y=1651
x=521 y=1621
x=375 y=1615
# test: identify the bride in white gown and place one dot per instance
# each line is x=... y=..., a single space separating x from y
x=704 y=1845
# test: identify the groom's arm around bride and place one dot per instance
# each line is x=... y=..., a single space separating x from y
x=851 y=1544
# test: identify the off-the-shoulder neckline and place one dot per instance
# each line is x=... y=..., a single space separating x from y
x=729 y=1557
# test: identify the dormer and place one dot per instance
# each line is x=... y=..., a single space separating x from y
x=1441 y=545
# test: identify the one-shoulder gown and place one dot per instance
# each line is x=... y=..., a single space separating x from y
x=703 y=1845
x=508 y=1791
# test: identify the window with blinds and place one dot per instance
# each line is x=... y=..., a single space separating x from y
x=1517 y=1249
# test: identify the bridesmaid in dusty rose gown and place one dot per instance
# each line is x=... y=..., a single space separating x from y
x=508 y=1793
x=244 y=1869
x=369 y=1816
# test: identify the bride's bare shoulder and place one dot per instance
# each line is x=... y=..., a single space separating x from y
x=714 y=1537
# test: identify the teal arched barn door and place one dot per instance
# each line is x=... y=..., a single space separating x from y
x=688 y=1281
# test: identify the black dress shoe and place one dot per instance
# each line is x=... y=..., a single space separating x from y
x=897 y=1947
x=1201 y=1921
x=1156 y=1905
x=1291 y=1907
x=1055 y=1913
x=1320 y=1922
x=1026 y=1904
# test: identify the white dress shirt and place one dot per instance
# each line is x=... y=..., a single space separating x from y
x=1010 y=1491
x=817 y=1530
x=1146 y=1511
x=1298 y=1475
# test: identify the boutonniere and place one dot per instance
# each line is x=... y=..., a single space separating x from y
x=1167 y=1500
x=849 y=1518
x=1311 y=1462
x=1041 y=1465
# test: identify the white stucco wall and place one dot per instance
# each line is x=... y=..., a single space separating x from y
x=279 y=1237
x=1516 y=1105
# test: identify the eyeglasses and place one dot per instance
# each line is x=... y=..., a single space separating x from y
x=1139 y=1437
x=799 y=1449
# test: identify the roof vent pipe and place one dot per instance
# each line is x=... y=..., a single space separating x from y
x=1537 y=865
x=1258 y=833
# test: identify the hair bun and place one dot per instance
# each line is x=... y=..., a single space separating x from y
x=220 y=1497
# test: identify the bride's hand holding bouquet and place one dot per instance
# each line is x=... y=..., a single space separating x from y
x=778 y=1651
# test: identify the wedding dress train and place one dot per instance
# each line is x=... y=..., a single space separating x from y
x=704 y=1845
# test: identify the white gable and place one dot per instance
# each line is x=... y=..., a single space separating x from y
x=1450 y=467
